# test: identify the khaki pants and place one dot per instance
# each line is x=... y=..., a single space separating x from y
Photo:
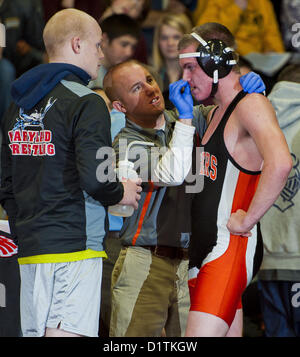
x=149 y=294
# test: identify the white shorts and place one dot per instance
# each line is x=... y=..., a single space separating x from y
x=64 y=295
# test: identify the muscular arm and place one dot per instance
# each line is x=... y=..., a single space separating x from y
x=263 y=128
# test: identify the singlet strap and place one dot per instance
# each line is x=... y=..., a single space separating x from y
x=231 y=107
x=226 y=115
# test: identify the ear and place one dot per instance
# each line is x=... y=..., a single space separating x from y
x=75 y=43
x=119 y=106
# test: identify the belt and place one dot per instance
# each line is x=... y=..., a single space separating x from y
x=168 y=252
x=114 y=234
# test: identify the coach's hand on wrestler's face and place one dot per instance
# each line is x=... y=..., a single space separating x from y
x=237 y=225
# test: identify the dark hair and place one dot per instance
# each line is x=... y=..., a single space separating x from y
x=147 y=6
x=120 y=25
x=146 y=9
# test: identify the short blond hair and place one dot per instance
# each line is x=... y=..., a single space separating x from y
x=63 y=26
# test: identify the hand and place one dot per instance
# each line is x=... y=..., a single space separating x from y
x=252 y=83
x=182 y=100
x=236 y=224
x=131 y=193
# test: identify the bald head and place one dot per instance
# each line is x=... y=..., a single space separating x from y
x=63 y=26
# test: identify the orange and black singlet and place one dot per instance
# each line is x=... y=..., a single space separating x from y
x=221 y=264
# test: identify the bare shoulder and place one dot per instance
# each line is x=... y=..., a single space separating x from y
x=256 y=102
x=255 y=108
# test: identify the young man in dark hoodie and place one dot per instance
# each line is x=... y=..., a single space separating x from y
x=50 y=186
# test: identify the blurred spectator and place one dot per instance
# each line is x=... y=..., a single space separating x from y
x=279 y=275
x=7 y=75
x=252 y=22
x=161 y=8
x=24 y=23
x=137 y=10
x=120 y=35
x=197 y=12
x=168 y=32
x=277 y=8
x=94 y=8
x=24 y=49
x=290 y=24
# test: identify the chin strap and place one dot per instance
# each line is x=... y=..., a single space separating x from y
x=214 y=85
x=214 y=88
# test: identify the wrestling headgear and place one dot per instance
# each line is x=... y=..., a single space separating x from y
x=214 y=57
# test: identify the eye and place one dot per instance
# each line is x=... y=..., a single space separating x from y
x=124 y=44
x=136 y=88
x=189 y=67
x=150 y=79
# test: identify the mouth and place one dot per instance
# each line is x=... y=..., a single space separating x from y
x=155 y=100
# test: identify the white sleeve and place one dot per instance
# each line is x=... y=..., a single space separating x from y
x=175 y=164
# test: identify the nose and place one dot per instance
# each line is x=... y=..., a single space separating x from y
x=149 y=89
x=186 y=76
x=128 y=51
x=171 y=41
x=100 y=53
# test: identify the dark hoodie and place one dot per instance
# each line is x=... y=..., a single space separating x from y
x=49 y=188
x=35 y=84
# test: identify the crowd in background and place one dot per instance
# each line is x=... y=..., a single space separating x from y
x=149 y=31
x=259 y=26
